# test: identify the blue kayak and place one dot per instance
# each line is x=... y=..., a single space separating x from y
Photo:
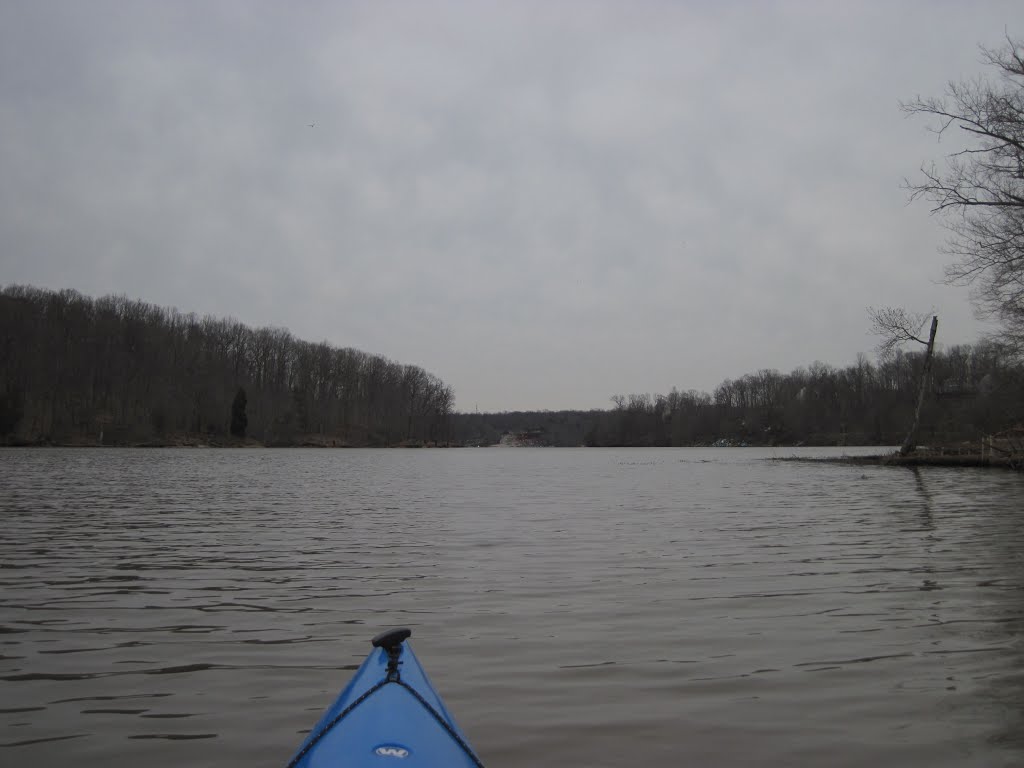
x=388 y=714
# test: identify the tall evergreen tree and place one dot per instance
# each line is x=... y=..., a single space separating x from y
x=239 y=421
x=12 y=408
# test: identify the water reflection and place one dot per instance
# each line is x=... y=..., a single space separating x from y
x=927 y=514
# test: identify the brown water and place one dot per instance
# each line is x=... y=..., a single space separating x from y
x=575 y=607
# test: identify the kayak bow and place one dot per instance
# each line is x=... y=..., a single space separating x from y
x=388 y=712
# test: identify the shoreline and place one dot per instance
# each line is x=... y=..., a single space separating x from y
x=964 y=460
x=957 y=458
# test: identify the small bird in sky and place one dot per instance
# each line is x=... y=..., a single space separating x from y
x=312 y=124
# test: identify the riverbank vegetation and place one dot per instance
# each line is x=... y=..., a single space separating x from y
x=112 y=371
x=974 y=390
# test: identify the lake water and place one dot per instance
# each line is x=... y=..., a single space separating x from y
x=575 y=607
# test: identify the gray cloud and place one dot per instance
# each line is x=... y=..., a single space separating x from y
x=543 y=203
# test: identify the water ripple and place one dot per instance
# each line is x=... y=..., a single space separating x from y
x=576 y=607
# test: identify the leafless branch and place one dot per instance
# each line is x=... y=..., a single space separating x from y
x=979 y=191
x=895 y=326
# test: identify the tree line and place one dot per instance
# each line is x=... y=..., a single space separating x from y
x=974 y=390
x=117 y=371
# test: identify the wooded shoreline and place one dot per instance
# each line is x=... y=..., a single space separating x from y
x=113 y=372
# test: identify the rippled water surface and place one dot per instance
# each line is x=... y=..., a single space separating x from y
x=575 y=607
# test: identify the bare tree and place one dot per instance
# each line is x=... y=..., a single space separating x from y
x=981 y=188
x=896 y=326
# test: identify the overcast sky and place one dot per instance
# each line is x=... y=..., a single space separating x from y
x=543 y=203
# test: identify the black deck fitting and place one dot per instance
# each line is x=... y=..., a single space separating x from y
x=391 y=639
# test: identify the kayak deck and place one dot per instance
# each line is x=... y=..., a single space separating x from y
x=388 y=714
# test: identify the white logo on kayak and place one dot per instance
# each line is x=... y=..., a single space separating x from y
x=391 y=750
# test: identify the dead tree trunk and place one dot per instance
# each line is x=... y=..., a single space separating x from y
x=910 y=442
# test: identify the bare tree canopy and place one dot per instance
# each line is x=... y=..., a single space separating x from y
x=74 y=370
x=975 y=390
x=895 y=325
x=980 y=190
